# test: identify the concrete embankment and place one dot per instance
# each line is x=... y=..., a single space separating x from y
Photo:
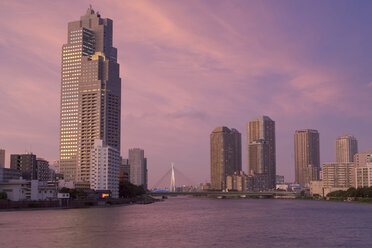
x=28 y=205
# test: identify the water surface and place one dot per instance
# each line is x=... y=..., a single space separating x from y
x=194 y=222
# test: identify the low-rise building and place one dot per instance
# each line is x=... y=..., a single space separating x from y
x=42 y=190
x=283 y=187
x=16 y=189
x=279 y=179
x=7 y=174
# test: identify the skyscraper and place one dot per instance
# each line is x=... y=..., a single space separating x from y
x=90 y=94
x=2 y=158
x=226 y=155
x=138 y=167
x=261 y=149
x=307 y=158
x=346 y=147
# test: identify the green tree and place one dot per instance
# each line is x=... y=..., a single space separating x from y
x=3 y=196
x=129 y=190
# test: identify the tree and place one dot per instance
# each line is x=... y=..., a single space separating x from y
x=3 y=196
x=129 y=190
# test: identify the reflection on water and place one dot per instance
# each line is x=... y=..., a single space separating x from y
x=194 y=222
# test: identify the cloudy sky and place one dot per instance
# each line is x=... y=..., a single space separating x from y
x=190 y=66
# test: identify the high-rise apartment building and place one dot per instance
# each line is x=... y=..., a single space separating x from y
x=363 y=176
x=338 y=175
x=105 y=166
x=261 y=150
x=346 y=147
x=90 y=94
x=2 y=158
x=226 y=155
x=26 y=164
x=307 y=156
x=138 y=167
x=361 y=159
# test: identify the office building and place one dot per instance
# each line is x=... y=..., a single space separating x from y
x=363 y=176
x=363 y=158
x=105 y=166
x=2 y=158
x=43 y=173
x=124 y=174
x=138 y=167
x=338 y=175
x=225 y=145
x=346 y=147
x=90 y=94
x=26 y=164
x=262 y=150
x=307 y=156
x=7 y=174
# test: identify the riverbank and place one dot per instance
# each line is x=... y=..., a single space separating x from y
x=6 y=205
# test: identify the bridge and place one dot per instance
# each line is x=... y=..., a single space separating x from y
x=172 y=190
x=168 y=181
x=230 y=194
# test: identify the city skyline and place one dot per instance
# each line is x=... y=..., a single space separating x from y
x=158 y=66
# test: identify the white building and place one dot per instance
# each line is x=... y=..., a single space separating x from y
x=16 y=189
x=104 y=168
x=363 y=176
x=42 y=190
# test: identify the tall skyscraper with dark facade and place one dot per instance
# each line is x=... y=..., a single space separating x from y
x=226 y=155
x=90 y=94
x=346 y=147
x=2 y=158
x=307 y=156
x=138 y=167
x=262 y=150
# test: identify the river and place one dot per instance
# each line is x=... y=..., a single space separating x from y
x=194 y=222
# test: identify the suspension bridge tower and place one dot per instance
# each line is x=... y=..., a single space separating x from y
x=173 y=179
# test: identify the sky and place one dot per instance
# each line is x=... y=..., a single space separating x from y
x=188 y=67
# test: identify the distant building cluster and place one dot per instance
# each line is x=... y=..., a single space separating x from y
x=226 y=157
x=351 y=169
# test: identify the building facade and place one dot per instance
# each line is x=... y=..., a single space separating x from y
x=124 y=174
x=26 y=164
x=43 y=172
x=346 y=147
x=225 y=152
x=307 y=156
x=90 y=94
x=138 y=167
x=338 y=175
x=7 y=174
x=363 y=176
x=363 y=158
x=2 y=158
x=105 y=166
x=262 y=150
